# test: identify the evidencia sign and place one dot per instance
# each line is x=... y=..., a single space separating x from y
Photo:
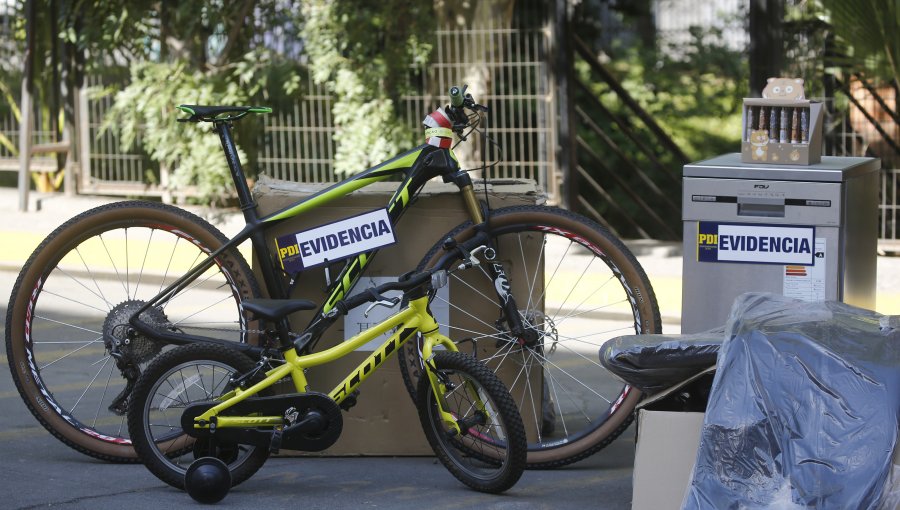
x=756 y=243
x=335 y=241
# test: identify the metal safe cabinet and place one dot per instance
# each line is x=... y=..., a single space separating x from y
x=805 y=232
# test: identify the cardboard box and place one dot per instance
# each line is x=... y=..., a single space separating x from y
x=385 y=421
x=778 y=142
x=666 y=452
x=667 y=443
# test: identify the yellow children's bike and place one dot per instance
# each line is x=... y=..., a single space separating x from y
x=212 y=403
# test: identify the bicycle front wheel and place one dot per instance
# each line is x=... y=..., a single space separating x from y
x=70 y=307
x=576 y=286
x=488 y=453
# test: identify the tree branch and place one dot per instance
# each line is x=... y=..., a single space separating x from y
x=236 y=28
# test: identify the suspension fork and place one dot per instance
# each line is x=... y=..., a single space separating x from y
x=495 y=269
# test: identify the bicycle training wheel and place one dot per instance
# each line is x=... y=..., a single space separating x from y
x=72 y=301
x=489 y=453
x=179 y=377
x=577 y=286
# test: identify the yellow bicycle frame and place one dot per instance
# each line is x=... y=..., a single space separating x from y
x=415 y=318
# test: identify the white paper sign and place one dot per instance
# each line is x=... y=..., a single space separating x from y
x=344 y=238
x=807 y=283
x=758 y=244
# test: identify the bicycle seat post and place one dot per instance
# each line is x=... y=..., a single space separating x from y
x=223 y=128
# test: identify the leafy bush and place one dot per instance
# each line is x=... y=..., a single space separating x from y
x=694 y=90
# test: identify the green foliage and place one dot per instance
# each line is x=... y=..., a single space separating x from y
x=106 y=29
x=146 y=109
x=871 y=31
x=362 y=52
x=694 y=90
x=207 y=60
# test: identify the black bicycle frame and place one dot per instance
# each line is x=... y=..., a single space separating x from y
x=419 y=165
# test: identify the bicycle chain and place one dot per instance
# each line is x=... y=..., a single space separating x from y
x=291 y=334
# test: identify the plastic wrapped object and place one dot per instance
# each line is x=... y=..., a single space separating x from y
x=652 y=363
x=803 y=411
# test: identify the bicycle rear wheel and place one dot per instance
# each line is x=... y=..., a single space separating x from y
x=74 y=296
x=488 y=454
x=186 y=375
x=577 y=286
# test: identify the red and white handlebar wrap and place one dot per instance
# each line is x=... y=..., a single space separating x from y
x=437 y=129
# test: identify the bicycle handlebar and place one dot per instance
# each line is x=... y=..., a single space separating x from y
x=457 y=96
x=373 y=294
x=460 y=101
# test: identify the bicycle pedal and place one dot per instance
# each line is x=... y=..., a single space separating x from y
x=275 y=443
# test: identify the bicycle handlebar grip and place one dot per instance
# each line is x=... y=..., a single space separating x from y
x=456 y=97
x=373 y=294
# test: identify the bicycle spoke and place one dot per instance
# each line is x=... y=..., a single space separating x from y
x=176 y=393
x=91 y=276
x=103 y=396
x=111 y=261
x=556 y=398
x=592 y=310
x=477 y=335
x=162 y=282
x=127 y=268
x=88 y=344
x=88 y=387
x=490 y=299
x=227 y=298
x=73 y=326
x=546 y=362
x=200 y=378
x=549 y=281
x=456 y=307
x=526 y=370
x=45 y=291
x=137 y=286
x=573 y=287
x=196 y=284
x=532 y=281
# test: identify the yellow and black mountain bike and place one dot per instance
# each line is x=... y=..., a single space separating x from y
x=75 y=353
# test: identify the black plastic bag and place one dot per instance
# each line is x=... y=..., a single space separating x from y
x=652 y=363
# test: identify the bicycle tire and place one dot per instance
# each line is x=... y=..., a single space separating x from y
x=489 y=455
x=587 y=406
x=170 y=382
x=82 y=281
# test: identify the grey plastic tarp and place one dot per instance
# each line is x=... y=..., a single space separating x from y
x=803 y=411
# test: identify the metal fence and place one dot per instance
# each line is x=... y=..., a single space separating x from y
x=675 y=19
x=508 y=68
x=297 y=142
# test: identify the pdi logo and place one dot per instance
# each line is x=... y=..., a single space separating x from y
x=708 y=239
x=289 y=251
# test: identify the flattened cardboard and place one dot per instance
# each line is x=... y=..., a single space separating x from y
x=385 y=421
